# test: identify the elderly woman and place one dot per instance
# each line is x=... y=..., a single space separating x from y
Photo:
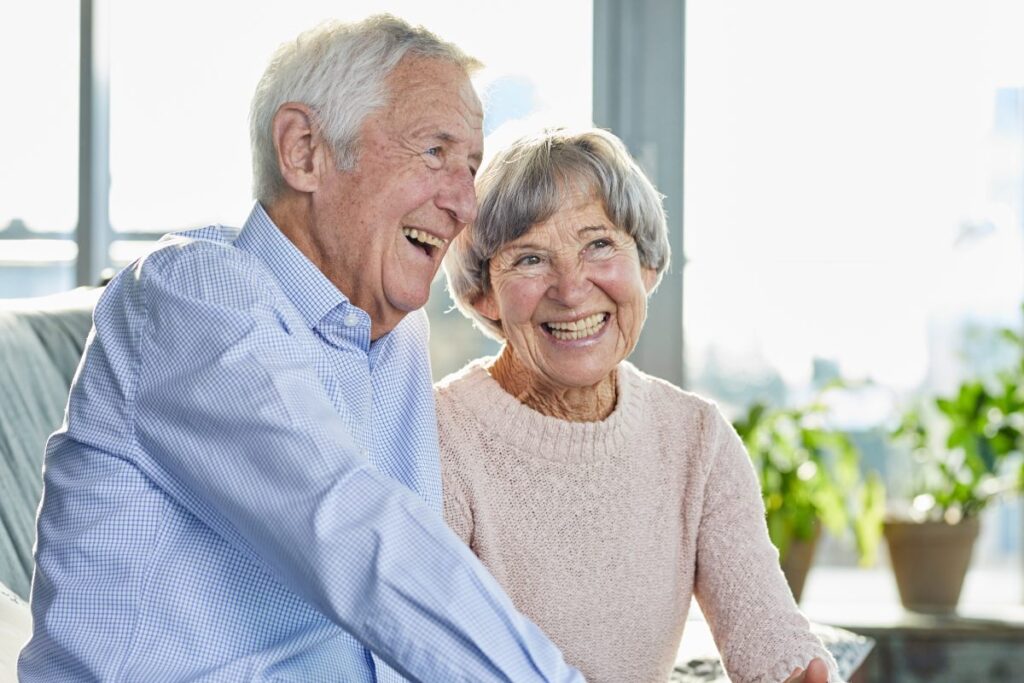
x=601 y=498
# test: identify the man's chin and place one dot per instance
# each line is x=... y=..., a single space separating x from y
x=412 y=296
x=411 y=301
x=400 y=306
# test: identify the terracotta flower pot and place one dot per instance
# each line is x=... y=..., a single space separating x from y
x=797 y=563
x=930 y=560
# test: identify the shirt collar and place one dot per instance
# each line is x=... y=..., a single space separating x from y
x=302 y=282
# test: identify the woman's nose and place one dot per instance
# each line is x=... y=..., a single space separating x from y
x=571 y=286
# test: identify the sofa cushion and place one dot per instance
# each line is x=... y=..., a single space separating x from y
x=41 y=342
x=15 y=630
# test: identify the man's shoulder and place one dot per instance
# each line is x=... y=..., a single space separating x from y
x=210 y=249
x=196 y=280
x=202 y=264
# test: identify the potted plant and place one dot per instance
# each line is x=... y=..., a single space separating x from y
x=966 y=451
x=810 y=478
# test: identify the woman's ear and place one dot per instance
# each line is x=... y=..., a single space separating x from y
x=650 y=278
x=296 y=143
x=487 y=307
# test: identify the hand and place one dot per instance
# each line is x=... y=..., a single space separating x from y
x=816 y=672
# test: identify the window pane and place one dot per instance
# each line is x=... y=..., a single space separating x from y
x=39 y=167
x=180 y=92
x=854 y=190
x=180 y=88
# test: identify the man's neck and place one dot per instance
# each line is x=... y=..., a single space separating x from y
x=293 y=214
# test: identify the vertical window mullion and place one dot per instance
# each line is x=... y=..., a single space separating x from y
x=93 y=234
x=638 y=95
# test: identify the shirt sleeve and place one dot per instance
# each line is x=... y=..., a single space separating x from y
x=231 y=420
x=758 y=628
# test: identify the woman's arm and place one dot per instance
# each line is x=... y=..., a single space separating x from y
x=760 y=632
x=458 y=513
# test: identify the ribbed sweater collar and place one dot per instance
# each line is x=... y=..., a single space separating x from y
x=546 y=437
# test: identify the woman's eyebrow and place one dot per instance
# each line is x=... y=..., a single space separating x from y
x=593 y=228
x=519 y=246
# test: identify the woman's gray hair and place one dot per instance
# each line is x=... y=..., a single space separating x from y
x=338 y=70
x=527 y=182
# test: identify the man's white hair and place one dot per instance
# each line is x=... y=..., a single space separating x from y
x=339 y=71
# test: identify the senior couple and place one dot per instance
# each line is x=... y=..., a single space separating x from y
x=248 y=481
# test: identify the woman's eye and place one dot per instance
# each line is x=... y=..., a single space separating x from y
x=601 y=244
x=434 y=151
x=528 y=260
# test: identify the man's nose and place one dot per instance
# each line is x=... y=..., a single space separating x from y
x=458 y=196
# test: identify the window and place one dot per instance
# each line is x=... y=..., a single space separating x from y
x=39 y=167
x=853 y=205
x=179 y=101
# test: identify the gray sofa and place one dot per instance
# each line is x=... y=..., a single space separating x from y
x=41 y=341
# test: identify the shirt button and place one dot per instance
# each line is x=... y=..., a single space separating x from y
x=351 y=320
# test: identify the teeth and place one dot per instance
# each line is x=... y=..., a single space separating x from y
x=577 y=329
x=425 y=238
x=590 y=321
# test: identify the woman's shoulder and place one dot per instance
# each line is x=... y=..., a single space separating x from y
x=661 y=394
x=471 y=378
x=468 y=397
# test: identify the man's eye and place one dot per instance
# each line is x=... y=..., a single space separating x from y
x=434 y=157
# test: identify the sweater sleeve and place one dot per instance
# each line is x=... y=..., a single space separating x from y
x=758 y=628
x=458 y=511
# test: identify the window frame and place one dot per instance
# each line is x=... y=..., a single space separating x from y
x=638 y=54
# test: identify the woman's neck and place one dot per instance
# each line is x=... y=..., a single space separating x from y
x=574 y=404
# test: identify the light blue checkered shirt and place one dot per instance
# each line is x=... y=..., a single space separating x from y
x=246 y=488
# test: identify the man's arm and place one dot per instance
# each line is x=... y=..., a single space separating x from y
x=232 y=421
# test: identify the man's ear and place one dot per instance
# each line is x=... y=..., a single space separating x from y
x=487 y=307
x=298 y=146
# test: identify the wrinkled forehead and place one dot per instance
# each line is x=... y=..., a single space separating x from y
x=432 y=88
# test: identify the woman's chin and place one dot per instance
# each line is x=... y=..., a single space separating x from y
x=582 y=362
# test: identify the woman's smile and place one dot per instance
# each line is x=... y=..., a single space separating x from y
x=583 y=329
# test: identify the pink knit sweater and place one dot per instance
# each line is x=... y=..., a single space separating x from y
x=601 y=532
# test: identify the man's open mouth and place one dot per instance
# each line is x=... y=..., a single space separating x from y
x=425 y=241
x=577 y=329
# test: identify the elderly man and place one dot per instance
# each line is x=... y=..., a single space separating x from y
x=246 y=486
